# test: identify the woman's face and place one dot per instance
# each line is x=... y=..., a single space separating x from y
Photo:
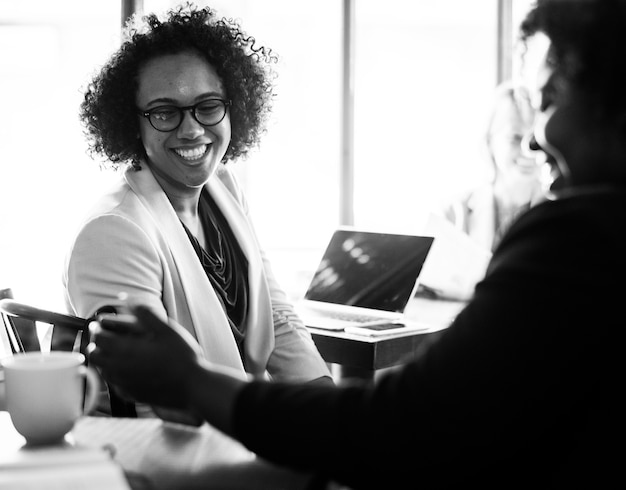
x=510 y=128
x=184 y=158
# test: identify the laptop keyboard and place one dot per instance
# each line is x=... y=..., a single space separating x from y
x=338 y=320
x=353 y=318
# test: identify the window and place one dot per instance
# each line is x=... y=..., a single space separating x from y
x=424 y=73
x=47 y=180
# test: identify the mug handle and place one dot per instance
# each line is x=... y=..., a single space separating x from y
x=93 y=389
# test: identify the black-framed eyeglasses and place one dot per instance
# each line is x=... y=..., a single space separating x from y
x=167 y=118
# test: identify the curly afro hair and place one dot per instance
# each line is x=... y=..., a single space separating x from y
x=108 y=111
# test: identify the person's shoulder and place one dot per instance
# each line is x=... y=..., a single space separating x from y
x=469 y=197
x=117 y=199
x=600 y=200
x=117 y=208
x=593 y=219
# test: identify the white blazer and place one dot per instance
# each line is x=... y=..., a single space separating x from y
x=133 y=242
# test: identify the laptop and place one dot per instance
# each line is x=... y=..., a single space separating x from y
x=364 y=278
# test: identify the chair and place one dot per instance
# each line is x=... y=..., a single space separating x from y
x=27 y=339
x=68 y=333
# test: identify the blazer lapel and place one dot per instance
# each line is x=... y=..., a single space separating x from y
x=259 y=339
x=210 y=325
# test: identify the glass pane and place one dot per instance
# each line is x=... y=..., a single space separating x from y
x=520 y=9
x=425 y=72
x=48 y=51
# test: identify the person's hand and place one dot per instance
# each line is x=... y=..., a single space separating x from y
x=145 y=357
x=177 y=416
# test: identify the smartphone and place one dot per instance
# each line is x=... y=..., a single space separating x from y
x=120 y=323
x=381 y=329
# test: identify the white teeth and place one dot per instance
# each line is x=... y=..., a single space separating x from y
x=191 y=153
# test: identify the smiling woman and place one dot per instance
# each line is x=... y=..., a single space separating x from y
x=174 y=232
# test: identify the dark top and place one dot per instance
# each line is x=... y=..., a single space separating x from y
x=523 y=390
x=225 y=265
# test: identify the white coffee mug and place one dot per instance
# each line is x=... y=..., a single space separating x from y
x=45 y=393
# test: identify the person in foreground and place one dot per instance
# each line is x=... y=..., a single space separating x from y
x=185 y=95
x=524 y=389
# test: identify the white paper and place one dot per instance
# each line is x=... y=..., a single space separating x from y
x=455 y=262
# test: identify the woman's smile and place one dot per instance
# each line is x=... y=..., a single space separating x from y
x=192 y=154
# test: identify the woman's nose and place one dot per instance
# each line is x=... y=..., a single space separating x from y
x=189 y=128
x=529 y=145
x=532 y=143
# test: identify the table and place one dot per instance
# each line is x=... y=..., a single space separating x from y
x=361 y=357
x=147 y=454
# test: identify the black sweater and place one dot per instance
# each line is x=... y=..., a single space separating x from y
x=523 y=390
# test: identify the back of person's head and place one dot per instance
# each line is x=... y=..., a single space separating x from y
x=108 y=110
x=588 y=51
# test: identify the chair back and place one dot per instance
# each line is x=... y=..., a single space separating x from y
x=19 y=322
x=17 y=334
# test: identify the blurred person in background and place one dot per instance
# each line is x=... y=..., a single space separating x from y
x=486 y=212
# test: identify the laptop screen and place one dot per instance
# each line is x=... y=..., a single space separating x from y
x=369 y=270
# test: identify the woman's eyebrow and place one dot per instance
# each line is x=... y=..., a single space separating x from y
x=170 y=101
x=161 y=100
x=209 y=95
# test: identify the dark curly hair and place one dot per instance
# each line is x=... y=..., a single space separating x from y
x=108 y=111
x=587 y=50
